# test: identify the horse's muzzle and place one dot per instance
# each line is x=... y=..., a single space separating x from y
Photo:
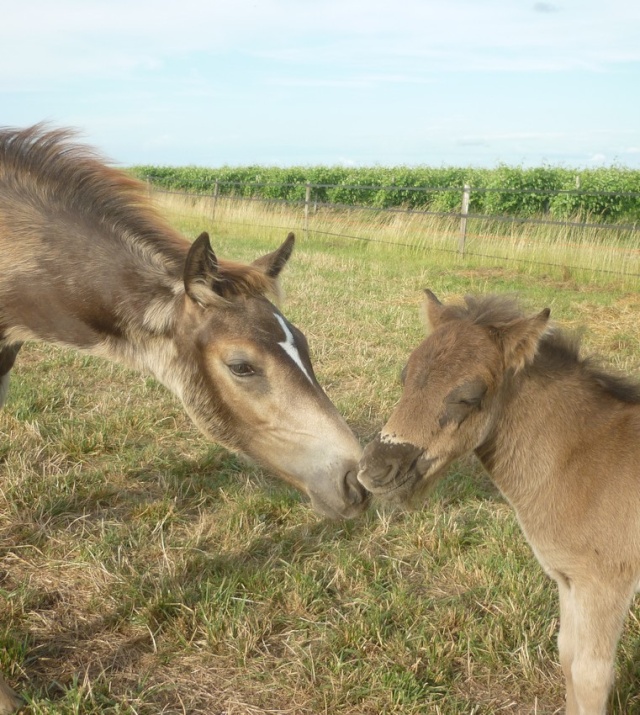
x=355 y=494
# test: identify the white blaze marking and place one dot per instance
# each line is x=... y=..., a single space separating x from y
x=289 y=346
x=391 y=439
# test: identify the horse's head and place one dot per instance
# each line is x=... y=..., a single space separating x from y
x=249 y=384
x=452 y=387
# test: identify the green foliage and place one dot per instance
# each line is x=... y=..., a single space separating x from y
x=604 y=194
x=524 y=192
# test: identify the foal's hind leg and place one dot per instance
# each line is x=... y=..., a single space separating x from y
x=8 y=355
x=591 y=619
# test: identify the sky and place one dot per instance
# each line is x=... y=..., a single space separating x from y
x=332 y=82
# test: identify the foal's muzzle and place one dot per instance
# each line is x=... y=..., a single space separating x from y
x=387 y=466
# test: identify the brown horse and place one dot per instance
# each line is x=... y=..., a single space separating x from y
x=561 y=440
x=85 y=262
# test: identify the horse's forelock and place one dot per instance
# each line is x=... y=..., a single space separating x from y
x=236 y=279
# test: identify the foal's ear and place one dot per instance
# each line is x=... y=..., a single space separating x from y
x=275 y=261
x=431 y=311
x=201 y=271
x=521 y=338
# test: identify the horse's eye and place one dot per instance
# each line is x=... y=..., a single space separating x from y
x=241 y=369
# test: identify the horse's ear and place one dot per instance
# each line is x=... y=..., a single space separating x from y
x=521 y=338
x=431 y=311
x=275 y=261
x=201 y=271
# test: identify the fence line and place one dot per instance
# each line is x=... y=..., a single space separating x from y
x=306 y=204
x=466 y=191
x=309 y=207
x=475 y=254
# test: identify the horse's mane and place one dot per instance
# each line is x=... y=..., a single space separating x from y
x=558 y=351
x=46 y=167
x=55 y=172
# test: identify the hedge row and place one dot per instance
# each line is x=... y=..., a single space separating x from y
x=602 y=194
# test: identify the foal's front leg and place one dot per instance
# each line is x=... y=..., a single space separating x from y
x=9 y=701
x=591 y=619
x=566 y=641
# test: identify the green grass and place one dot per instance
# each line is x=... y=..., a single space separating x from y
x=144 y=570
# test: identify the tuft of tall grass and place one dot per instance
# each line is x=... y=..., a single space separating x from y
x=562 y=250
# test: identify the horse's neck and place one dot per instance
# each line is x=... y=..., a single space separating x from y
x=155 y=355
x=145 y=338
x=123 y=306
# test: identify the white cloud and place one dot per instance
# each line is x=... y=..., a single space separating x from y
x=545 y=7
x=372 y=77
x=352 y=82
x=42 y=40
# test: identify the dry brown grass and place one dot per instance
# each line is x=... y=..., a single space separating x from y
x=145 y=571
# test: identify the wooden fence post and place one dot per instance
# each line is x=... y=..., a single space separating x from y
x=216 y=189
x=464 y=213
x=307 y=200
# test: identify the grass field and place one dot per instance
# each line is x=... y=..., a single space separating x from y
x=144 y=570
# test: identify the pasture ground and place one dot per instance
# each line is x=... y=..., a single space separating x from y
x=145 y=571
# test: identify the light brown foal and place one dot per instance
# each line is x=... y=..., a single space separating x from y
x=561 y=440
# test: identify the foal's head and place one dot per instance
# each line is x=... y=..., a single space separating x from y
x=250 y=384
x=453 y=382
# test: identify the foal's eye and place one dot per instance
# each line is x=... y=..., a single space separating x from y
x=462 y=401
x=241 y=369
x=470 y=401
x=469 y=394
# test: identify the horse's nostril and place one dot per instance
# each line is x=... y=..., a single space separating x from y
x=355 y=493
x=383 y=472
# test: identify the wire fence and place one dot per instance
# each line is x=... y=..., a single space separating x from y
x=593 y=245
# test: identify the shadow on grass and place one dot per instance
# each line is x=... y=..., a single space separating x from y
x=123 y=639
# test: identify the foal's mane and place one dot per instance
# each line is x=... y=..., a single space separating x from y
x=48 y=169
x=558 y=351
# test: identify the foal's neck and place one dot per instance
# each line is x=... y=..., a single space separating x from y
x=539 y=421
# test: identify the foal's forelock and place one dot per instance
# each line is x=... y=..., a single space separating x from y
x=239 y=279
